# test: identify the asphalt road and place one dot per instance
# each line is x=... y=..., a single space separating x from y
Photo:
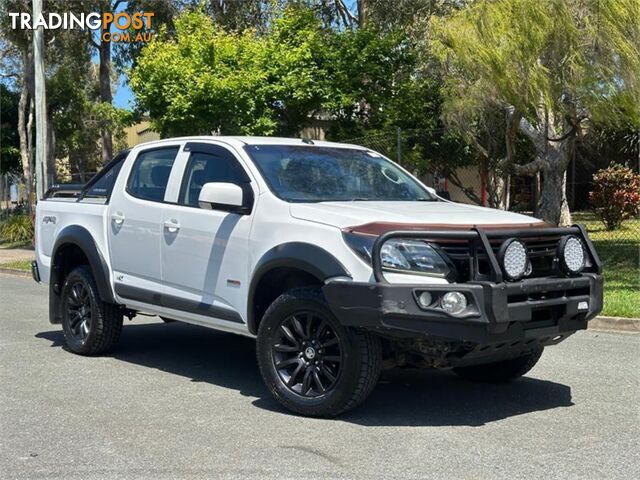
x=177 y=401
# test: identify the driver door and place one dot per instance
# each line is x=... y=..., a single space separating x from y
x=204 y=252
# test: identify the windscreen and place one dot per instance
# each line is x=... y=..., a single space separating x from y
x=328 y=174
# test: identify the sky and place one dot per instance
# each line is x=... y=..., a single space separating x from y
x=123 y=97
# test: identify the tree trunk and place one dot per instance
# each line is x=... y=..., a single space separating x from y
x=23 y=122
x=552 y=160
x=363 y=12
x=537 y=185
x=553 y=206
x=496 y=190
x=105 y=95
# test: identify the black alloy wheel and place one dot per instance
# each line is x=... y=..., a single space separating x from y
x=311 y=363
x=79 y=311
x=90 y=325
x=307 y=354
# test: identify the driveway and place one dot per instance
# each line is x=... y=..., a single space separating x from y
x=179 y=401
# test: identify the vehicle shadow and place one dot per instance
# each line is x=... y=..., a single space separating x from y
x=404 y=397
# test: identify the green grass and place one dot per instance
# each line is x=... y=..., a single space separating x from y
x=629 y=232
x=24 y=265
x=620 y=254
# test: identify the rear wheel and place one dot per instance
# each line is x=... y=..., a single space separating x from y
x=90 y=326
x=311 y=363
x=502 y=371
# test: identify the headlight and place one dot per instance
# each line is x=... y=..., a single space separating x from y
x=513 y=258
x=571 y=254
x=413 y=256
x=407 y=256
x=392 y=257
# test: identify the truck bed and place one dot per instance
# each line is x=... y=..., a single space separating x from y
x=55 y=213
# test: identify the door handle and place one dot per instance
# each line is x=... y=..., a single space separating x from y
x=118 y=218
x=172 y=226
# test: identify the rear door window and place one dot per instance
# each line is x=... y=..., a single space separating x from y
x=150 y=173
x=101 y=186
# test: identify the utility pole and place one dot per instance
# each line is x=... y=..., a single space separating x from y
x=42 y=174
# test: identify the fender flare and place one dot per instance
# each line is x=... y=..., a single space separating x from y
x=81 y=238
x=298 y=255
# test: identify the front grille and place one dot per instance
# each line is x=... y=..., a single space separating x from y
x=541 y=252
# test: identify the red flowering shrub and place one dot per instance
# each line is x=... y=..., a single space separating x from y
x=615 y=195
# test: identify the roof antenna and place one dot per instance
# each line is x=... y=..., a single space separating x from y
x=308 y=141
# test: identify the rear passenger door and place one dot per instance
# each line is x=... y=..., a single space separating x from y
x=204 y=252
x=135 y=225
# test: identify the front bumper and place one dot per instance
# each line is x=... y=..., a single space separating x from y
x=530 y=309
x=502 y=316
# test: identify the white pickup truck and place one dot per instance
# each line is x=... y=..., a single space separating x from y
x=338 y=260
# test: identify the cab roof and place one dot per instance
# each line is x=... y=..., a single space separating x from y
x=250 y=140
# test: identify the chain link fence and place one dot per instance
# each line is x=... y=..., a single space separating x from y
x=14 y=193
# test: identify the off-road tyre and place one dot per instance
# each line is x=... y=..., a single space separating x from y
x=360 y=352
x=103 y=320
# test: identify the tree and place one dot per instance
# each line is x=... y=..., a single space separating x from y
x=368 y=70
x=299 y=67
x=76 y=116
x=17 y=64
x=9 y=142
x=551 y=67
x=234 y=15
x=124 y=53
x=205 y=79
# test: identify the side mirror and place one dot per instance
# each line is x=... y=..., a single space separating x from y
x=227 y=197
x=444 y=194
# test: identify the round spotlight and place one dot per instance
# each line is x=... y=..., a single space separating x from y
x=425 y=299
x=571 y=254
x=453 y=303
x=513 y=257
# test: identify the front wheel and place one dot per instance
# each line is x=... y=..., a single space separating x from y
x=502 y=371
x=311 y=363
